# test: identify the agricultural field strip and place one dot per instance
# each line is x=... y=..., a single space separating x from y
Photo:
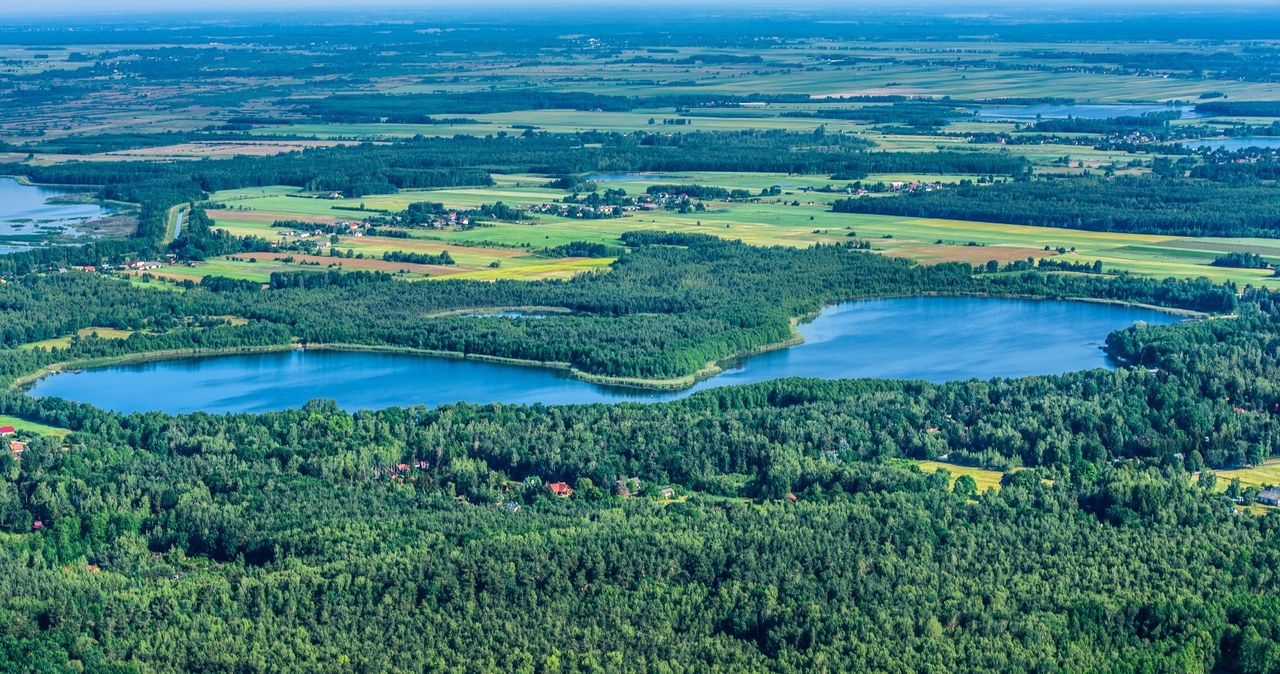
x=763 y=223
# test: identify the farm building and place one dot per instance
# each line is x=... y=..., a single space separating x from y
x=1270 y=497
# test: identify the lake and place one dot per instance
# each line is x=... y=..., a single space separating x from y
x=933 y=338
x=1232 y=144
x=1025 y=113
x=26 y=209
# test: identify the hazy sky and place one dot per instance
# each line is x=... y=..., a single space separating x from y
x=46 y=7
x=37 y=8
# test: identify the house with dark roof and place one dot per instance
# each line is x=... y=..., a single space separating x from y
x=1270 y=496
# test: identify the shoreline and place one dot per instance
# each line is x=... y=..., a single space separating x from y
x=1185 y=313
x=707 y=371
x=26 y=381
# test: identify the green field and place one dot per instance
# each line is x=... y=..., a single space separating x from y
x=31 y=427
x=1265 y=475
x=64 y=342
x=796 y=218
x=986 y=479
x=1257 y=477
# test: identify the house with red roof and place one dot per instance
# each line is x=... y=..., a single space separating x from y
x=6 y=431
x=561 y=489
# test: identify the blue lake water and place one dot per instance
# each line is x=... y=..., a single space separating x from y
x=26 y=209
x=933 y=338
x=1023 y=113
x=1232 y=144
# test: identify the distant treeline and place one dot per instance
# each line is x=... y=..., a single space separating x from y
x=1241 y=261
x=580 y=249
x=920 y=114
x=1240 y=108
x=1146 y=204
x=1149 y=121
x=351 y=108
x=418 y=258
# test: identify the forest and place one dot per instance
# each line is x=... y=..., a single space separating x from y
x=360 y=542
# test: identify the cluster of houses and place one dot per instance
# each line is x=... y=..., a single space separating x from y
x=398 y=471
x=909 y=187
x=1269 y=496
x=134 y=265
x=341 y=228
x=584 y=211
x=445 y=219
x=615 y=207
x=16 y=447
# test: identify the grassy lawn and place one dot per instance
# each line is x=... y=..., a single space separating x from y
x=1258 y=476
x=64 y=342
x=986 y=479
x=32 y=427
x=137 y=282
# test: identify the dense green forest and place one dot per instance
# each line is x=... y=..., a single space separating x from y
x=318 y=540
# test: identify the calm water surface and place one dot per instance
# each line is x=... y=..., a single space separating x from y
x=1232 y=144
x=24 y=208
x=1029 y=112
x=933 y=338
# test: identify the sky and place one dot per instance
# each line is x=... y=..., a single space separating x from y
x=46 y=8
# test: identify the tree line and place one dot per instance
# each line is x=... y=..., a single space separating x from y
x=1146 y=204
